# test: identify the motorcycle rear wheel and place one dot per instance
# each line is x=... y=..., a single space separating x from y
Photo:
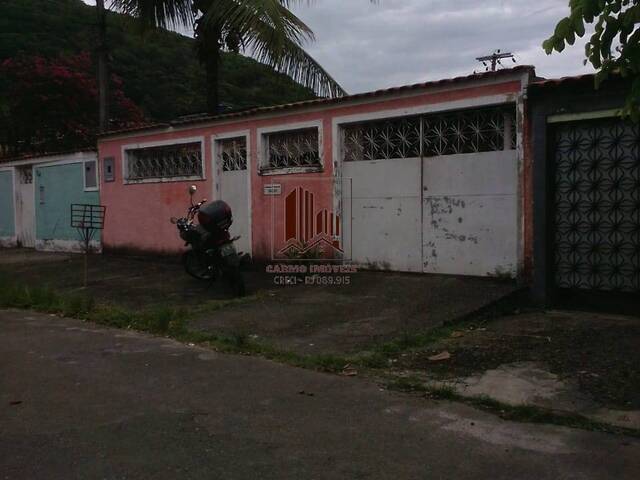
x=236 y=281
x=195 y=265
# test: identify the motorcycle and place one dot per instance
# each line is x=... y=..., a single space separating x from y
x=212 y=253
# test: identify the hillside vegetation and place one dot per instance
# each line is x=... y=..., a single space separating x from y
x=159 y=70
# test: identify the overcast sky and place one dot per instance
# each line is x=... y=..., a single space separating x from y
x=396 y=42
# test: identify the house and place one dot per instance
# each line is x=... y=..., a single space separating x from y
x=420 y=178
x=586 y=191
x=36 y=194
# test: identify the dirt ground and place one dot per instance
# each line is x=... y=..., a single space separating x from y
x=375 y=306
x=600 y=352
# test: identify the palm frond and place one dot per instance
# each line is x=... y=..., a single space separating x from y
x=243 y=16
x=289 y=57
x=304 y=69
x=274 y=35
x=158 y=13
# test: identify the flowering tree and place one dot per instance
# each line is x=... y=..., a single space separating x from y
x=52 y=104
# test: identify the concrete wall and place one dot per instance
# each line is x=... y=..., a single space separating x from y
x=7 y=209
x=384 y=210
x=152 y=204
x=57 y=187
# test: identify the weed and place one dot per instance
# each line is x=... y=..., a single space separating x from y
x=43 y=298
x=240 y=339
x=371 y=360
x=516 y=413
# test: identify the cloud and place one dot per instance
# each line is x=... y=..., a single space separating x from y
x=368 y=46
x=404 y=41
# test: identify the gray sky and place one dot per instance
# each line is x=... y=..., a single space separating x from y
x=396 y=42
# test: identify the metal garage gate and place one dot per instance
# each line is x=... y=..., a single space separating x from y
x=597 y=206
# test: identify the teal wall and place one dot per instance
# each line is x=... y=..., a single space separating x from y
x=7 y=210
x=63 y=185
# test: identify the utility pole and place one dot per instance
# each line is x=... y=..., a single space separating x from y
x=103 y=70
x=494 y=60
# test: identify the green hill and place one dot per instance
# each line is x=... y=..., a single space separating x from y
x=159 y=69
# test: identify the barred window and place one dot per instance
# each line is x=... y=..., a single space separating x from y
x=26 y=175
x=431 y=135
x=386 y=139
x=167 y=161
x=294 y=148
x=232 y=153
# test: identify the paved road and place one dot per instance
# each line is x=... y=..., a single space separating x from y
x=108 y=404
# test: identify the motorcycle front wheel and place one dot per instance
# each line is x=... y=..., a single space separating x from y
x=195 y=264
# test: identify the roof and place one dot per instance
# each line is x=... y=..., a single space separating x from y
x=29 y=156
x=197 y=119
x=555 y=82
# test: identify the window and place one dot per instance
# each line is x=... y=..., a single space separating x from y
x=387 y=139
x=109 y=169
x=176 y=161
x=431 y=135
x=292 y=149
x=26 y=175
x=90 y=175
x=232 y=153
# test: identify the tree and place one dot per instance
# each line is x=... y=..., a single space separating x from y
x=614 y=46
x=52 y=105
x=267 y=29
x=160 y=70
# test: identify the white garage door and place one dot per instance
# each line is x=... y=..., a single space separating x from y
x=434 y=193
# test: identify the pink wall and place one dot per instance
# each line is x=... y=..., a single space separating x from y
x=138 y=214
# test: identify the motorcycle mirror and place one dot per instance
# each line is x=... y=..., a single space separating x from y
x=192 y=189
x=173 y=220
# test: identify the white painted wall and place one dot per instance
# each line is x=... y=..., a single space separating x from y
x=25 y=211
x=384 y=204
x=471 y=214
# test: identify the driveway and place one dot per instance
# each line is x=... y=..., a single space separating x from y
x=80 y=401
x=307 y=319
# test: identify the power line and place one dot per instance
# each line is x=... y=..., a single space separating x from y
x=493 y=61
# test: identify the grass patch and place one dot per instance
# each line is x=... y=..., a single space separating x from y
x=381 y=355
x=158 y=320
x=44 y=299
x=515 y=413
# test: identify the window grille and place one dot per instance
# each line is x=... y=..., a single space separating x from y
x=470 y=131
x=26 y=175
x=167 y=161
x=387 y=139
x=232 y=154
x=296 y=148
